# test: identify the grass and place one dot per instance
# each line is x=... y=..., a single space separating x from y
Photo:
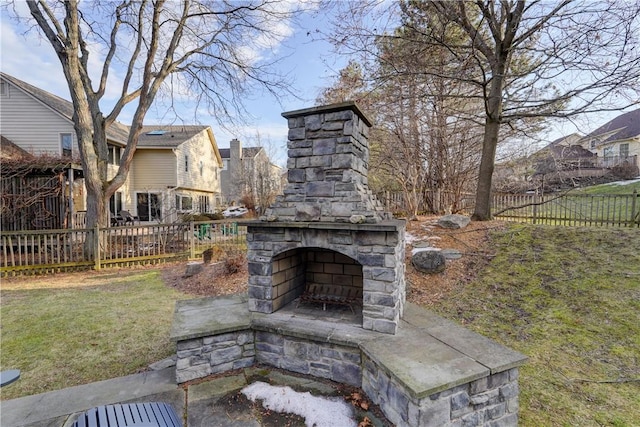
x=614 y=189
x=569 y=298
x=80 y=328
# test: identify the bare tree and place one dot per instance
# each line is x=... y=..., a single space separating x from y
x=207 y=50
x=531 y=59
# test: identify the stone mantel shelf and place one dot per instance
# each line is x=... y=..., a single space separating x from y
x=391 y=225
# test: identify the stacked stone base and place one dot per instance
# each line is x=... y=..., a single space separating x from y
x=488 y=401
x=486 y=395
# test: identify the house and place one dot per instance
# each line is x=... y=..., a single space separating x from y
x=248 y=176
x=617 y=141
x=175 y=168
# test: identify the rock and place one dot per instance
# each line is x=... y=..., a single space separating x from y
x=193 y=268
x=429 y=262
x=454 y=221
x=451 y=253
x=357 y=219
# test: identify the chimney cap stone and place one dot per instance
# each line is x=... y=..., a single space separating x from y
x=331 y=108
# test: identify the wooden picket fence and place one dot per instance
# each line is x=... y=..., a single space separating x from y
x=48 y=251
x=608 y=210
x=564 y=209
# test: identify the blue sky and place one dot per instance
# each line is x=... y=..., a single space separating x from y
x=309 y=63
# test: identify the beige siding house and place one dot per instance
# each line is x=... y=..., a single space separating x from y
x=249 y=177
x=617 y=141
x=41 y=124
x=176 y=169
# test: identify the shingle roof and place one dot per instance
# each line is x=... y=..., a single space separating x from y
x=172 y=136
x=116 y=132
x=11 y=151
x=624 y=126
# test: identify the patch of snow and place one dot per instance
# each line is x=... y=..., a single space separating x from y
x=317 y=411
x=416 y=250
x=409 y=238
x=627 y=182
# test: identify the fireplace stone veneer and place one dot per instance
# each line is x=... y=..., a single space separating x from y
x=328 y=211
x=280 y=265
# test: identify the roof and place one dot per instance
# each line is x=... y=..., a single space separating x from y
x=10 y=151
x=167 y=136
x=117 y=132
x=225 y=153
x=624 y=126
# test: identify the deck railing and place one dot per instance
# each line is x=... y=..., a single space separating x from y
x=45 y=251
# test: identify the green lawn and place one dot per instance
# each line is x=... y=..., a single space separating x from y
x=569 y=298
x=624 y=188
x=75 y=329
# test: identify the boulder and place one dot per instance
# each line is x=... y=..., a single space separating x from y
x=193 y=268
x=429 y=262
x=454 y=221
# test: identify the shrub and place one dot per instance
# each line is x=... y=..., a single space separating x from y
x=625 y=170
x=234 y=263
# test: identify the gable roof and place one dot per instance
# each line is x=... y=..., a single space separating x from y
x=117 y=132
x=159 y=136
x=624 y=126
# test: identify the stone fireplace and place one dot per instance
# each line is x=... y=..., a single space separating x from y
x=328 y=231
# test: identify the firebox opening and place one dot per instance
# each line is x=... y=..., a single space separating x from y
x=316 y=278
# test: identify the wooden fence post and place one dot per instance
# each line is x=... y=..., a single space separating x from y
x=96 y=247
x=635 y=217
x=192 y=240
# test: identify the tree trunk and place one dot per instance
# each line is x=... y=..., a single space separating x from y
x=482 y=211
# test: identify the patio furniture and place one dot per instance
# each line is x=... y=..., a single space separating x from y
x=154 y=414
x=8 y=377
x=127 y=217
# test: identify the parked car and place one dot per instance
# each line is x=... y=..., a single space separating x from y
x=234 y=211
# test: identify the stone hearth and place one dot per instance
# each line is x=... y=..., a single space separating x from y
x=431 y=373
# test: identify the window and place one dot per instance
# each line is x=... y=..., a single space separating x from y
x=608 y=152
x=184 y=203
x=149 y=206
x=66 y=140
x=114 y=155
x=4 y=89
x=115 y=204
x=186 y=163
x=203 y=204
x=624 y=151
x=201 y=168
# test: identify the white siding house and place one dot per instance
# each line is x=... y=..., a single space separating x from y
x=175 y=168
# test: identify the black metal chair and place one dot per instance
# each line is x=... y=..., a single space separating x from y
x=127 y=217
x=154 y=414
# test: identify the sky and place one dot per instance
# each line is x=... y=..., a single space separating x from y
x=310 y=64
